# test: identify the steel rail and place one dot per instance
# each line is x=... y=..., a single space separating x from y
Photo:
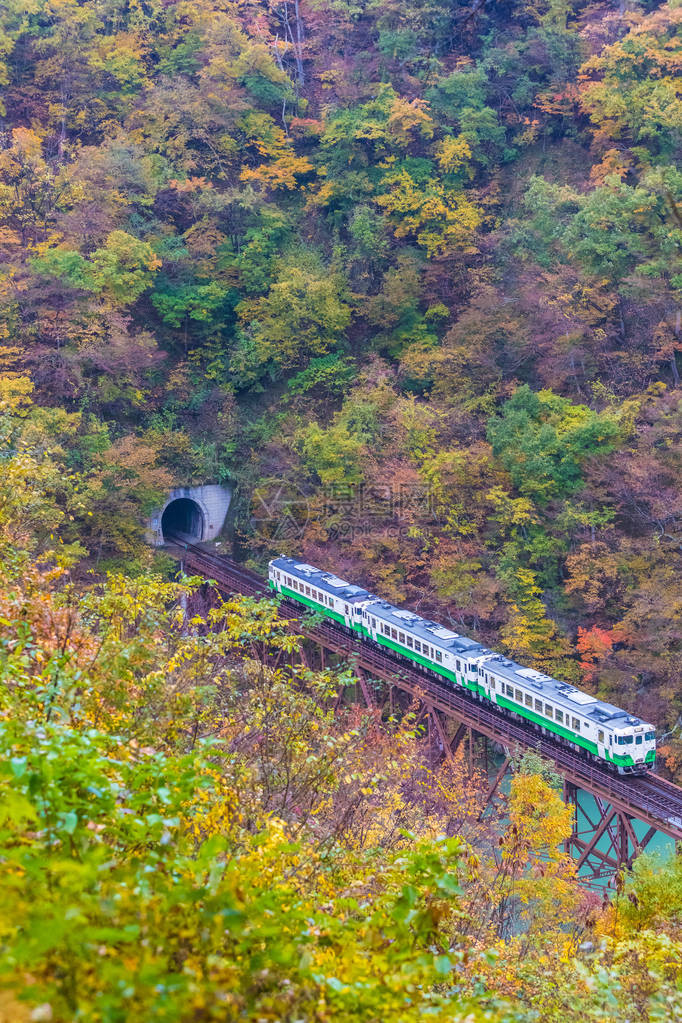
x=648 y=798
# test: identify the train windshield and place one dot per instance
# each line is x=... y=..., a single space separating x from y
x=650 y=736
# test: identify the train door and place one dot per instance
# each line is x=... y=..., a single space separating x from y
x=348 y=614
x=492 y=686
x=601 y=744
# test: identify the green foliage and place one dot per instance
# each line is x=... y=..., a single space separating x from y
x=120 y=271
x=543 y=441
x=304 y=313
x=330 y=374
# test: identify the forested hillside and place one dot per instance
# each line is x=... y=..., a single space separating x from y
x=417 y=262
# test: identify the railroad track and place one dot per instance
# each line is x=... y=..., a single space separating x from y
x=648 y=798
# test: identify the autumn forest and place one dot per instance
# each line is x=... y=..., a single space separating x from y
x=406 y=277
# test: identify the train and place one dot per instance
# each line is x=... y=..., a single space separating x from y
x=599 y=731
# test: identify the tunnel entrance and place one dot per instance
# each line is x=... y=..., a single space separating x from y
x=183 y=516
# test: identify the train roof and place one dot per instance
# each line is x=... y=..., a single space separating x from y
x=563 y=694
x=326 y=581
x=432 y=632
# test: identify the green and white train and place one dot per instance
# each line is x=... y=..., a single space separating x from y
x=598 y=730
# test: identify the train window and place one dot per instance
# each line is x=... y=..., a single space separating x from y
x=638 y=739
x=650 y=736
x=417 y=645
x=394 y=633
x=538 y=705
x=519 y=696
x=559 y=715
x=401 y=637
x=576 y=725
x=549 y=712
x=374 y=623
x=307 y=591
x=439 y=656
x=459 y=666
x=409 y=642
x=600 y=736
x=510 y=691
x=492 y=684
x=529 y=700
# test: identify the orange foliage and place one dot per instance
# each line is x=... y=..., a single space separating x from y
x=594 y=645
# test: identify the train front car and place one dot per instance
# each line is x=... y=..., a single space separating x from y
x=598 y=730
x=634 y=747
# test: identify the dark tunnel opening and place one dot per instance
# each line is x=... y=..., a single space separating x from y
x=183 y=516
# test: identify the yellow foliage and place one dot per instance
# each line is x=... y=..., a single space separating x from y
x=438 y=217
x=452 y=154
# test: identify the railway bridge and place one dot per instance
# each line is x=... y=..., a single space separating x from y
x=615 y=817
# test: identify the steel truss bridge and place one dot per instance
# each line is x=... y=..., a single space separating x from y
x=606 y=838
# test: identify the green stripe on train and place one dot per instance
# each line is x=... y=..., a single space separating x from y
x=418 y=659
x=313 y=604
x=551 y=726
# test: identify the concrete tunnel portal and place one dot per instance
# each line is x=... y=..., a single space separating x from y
x=184 y=516
x=196 y=512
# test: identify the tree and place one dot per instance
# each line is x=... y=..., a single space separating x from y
x=631 y=88
x=303 y=315
x=543 y=441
